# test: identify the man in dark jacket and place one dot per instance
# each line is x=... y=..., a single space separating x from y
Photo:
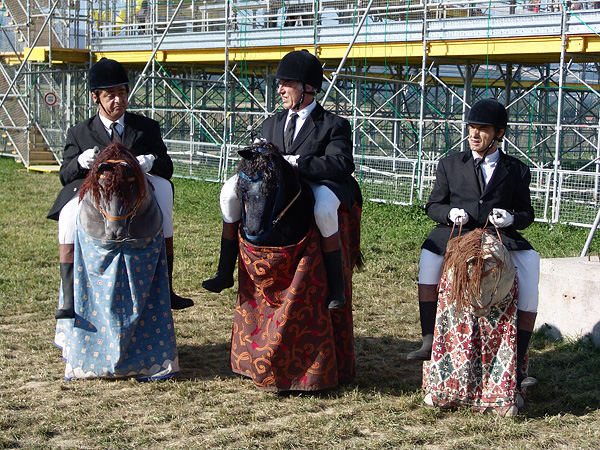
x=470 y=187
x=109 y=86
x=318 y=144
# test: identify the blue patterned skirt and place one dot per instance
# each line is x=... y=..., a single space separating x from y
x=123 y=325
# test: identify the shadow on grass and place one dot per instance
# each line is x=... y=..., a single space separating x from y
x=568 y=372
x=381 y=365
x=204 y=362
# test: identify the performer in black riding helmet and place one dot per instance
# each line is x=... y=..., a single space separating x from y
x=109 y=87
x=318 y=144
x=470 y=187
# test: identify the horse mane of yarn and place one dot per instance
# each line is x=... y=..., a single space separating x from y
x=465 y=259
x=264 y=163
x=115 y=180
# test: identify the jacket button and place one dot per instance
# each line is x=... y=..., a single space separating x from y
x=480 y=202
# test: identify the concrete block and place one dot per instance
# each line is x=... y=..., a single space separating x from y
x=570 y=297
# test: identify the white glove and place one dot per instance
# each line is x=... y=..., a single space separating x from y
x=501 y=218
x=146 y=162
x=292 y=159
x=87 y=158
x=458 y=216
x=260 y=140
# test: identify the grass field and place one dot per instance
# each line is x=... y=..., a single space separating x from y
x=208 y=407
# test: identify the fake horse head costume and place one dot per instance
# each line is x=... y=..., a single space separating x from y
x=123 y=325
x=117 y=202
x=284 y=336
x=474 y=359
x=276 y=205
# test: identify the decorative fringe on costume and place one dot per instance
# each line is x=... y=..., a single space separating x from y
x=464 y=259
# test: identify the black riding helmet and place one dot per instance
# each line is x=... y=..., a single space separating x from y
x=302 y=66
x=488 y=112
x=107 y=73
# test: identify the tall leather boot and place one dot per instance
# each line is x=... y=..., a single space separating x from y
x=335 y=279
x=427 y=311
x=177 y=302
x=66 y=274
x=223 y=279
x=523 y=381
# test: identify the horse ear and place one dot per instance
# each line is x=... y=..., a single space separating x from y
x=246 y=153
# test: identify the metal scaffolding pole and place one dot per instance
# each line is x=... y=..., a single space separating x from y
x=226 y=112
x=557 y=144
x=423 y=86
x=335 y=74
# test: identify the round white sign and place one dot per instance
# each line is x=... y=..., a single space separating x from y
x=50 y=99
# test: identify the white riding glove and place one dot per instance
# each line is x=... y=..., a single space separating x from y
x=501 y=218
x=87 y=158
x=292 y=159
x=458 y=216
x=146 y=162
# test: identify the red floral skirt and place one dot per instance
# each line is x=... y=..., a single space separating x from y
x=474 y=359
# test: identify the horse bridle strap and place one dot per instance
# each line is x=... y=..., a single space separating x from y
x=126 y=216
x=281 y=214
x=275 y=221
x=134 y=209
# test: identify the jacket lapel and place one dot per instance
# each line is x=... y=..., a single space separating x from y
x=99 y=131
x=468 y=171
x=129 y=135
x=307 y=128
x=305 y=131
x=278 y=130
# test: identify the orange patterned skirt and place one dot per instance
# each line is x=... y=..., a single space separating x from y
x=283 y=336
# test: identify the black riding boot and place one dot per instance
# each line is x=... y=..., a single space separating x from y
x=223 y=279
x=427 y=311
x=177 y=302
x=335 y=279
x=66 y=274
x=523 y=381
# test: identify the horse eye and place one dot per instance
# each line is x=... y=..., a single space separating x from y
x=103 y=167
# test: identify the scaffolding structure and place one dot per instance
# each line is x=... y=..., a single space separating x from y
x=404 y=73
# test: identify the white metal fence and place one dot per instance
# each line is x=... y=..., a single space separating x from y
x=405 y=116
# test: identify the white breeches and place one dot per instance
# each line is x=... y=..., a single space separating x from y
x=231 y=205
x=164 y=197
x=325 y=210
x=527 y=263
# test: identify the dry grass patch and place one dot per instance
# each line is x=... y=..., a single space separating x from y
x=207 y=406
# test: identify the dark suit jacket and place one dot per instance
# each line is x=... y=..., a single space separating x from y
x=456 y=187
x=141 y=135
x=324 y=144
